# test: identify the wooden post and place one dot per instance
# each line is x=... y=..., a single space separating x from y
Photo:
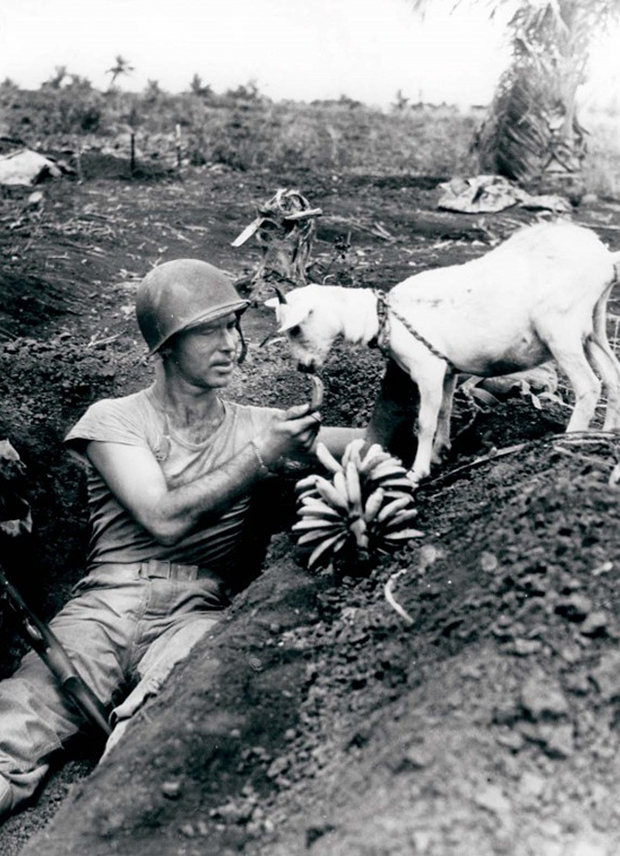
x=132 y=163
x=177 y=132
x=78 y=165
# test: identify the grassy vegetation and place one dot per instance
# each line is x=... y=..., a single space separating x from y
x=245 y=131
x=602 y=164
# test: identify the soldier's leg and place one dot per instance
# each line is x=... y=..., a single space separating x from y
x=179 y=615
x=96 y=628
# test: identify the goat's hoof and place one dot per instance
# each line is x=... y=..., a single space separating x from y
x=414 y=478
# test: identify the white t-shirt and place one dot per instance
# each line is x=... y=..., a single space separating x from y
x=135 y=420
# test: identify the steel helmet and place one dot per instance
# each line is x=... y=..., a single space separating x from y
x=181 y=294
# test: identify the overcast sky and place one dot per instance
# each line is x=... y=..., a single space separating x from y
x=300 y=49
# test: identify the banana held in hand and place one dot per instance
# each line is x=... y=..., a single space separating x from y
x=318 y=391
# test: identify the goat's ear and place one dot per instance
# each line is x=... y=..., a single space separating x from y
x=292 y=316
x=272 y=303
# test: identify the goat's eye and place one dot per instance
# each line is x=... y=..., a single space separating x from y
x=294 y=331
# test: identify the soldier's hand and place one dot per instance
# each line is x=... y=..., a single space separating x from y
x=293 y=434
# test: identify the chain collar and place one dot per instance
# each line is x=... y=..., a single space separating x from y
x=382 y=339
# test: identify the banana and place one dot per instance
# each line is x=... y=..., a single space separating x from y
x=352 y=452
x=318 y=391
x=358 y=528
x=399 y=519
x=331 y=495
x=335 y=543
x=318 y=508
x=373 y=460
x=320 y=517
x=373 y=504
x=374 y=449
x=354 y=489
x=403 y=535
x=327 y=459
x=305 y=483
x=315 y=500
x=392 y=507
x=402 y=485
x=308 y=496
x=340 y=483
x=317 y=536
x=314 y=523
x=387 y=469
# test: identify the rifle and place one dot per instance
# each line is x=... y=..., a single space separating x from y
x=44 y=642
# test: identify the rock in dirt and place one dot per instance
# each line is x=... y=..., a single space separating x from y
x=595 y=624
x=543 y=699
x=557 y=739
x=576 y=607
x=606 y=676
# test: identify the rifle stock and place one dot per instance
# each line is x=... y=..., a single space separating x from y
x=47 y=646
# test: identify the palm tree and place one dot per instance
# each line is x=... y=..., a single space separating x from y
x=197 y=87
x=122 y=67
x=532 y=132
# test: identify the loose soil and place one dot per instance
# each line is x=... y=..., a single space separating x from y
x=481 y=719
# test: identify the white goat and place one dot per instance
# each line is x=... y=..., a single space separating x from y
x=541 y=294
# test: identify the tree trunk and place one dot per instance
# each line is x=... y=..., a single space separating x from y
x=531 y=133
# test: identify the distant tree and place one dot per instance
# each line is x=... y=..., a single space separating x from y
x=77 y=81
x=347 y=101
x=152 y=91
x=57 y=78
x=245 y=92
x=197 y=87
x=531 y=132
x=401 y=102
x=122 y=67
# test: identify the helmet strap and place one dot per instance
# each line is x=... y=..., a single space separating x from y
x=244 y=348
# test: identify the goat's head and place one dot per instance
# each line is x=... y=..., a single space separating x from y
x=310 y=321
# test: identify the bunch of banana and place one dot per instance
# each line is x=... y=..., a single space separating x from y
x=362 y=507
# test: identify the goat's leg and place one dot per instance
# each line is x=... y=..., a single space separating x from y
x=431 y=398
x=395 y=410
x=603 y=360
x=600 y=361
x=571 y=358
x=442 y=435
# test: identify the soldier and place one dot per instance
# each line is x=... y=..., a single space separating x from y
x=170 y=472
